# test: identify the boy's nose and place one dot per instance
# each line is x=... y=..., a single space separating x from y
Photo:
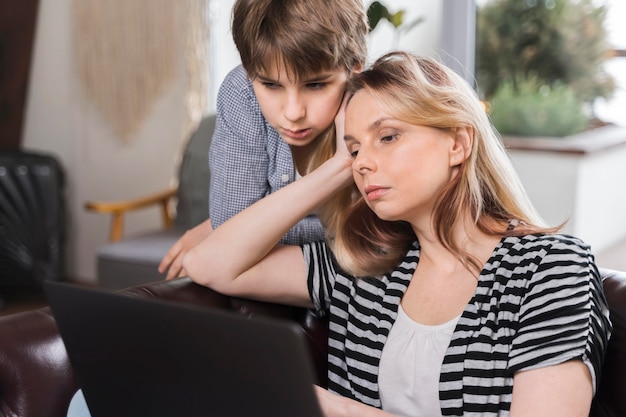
x=295 y=108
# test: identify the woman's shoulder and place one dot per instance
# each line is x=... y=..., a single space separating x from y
x=536 y=257
x=544 y=243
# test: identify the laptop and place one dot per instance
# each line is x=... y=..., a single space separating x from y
x=139 y=357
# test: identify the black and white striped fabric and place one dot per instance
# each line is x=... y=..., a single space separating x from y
x=539 y=302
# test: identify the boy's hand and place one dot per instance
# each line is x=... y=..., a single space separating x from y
x=340 y=119
x=172 y=262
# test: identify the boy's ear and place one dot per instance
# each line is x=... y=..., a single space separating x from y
x=357 y=68
x=462 y=145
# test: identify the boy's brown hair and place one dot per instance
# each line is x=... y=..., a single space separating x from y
x=307 y=36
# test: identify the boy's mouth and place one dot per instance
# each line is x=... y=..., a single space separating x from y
x=296 y=134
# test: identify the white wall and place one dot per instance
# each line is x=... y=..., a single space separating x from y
x=223 y=53
x=584 y=189
x=613 y=110
x=99 y=165
x=423 y=39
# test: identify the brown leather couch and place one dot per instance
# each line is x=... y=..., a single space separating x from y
x=36 y=378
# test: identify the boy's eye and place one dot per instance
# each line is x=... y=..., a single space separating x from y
x=270 y=85
x=316 y=86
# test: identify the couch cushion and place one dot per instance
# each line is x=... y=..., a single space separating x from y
x=194 y=177
x=134 y=260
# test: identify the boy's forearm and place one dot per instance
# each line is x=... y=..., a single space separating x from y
x=246 y=238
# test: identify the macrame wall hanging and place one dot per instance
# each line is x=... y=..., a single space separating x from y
x=129 y=51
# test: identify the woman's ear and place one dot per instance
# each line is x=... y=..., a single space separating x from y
x=462 y=146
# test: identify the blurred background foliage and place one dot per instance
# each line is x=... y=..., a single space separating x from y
x=540 y=63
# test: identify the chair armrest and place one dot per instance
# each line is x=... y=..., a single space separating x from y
x=36 y=378
x=117 y=210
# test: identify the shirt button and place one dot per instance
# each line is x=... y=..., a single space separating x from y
x=285 y=177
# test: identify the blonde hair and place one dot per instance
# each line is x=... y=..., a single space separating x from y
x=422 y=91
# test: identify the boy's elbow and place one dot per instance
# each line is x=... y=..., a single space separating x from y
x=192 y=264
x=208 y=271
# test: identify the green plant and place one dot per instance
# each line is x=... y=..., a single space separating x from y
x=554 y=43
x=378 y=11
x=531 y=109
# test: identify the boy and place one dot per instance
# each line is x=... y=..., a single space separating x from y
x=275 y=112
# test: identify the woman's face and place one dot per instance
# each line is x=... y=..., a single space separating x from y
x=401 y=169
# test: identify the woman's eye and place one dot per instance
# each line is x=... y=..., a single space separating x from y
x=388 y=138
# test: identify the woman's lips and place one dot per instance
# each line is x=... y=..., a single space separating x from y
x=374 y=192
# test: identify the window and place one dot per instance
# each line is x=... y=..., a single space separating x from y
x=614 y=109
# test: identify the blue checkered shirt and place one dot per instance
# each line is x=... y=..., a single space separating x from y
x=248 y=159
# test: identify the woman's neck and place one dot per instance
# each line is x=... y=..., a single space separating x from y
x=468 y=239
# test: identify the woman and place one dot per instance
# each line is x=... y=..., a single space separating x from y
x=446 y=293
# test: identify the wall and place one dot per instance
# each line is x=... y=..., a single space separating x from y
x=578 y=180
x=99 y=166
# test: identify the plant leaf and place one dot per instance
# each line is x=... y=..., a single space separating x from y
x=396 y=18
x=375 y=12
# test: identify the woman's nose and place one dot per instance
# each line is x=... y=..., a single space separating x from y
x=295 y=107
x=363 y=161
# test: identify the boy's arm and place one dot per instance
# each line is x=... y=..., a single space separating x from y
x=231 y=262
x=238 y=162
x=238 y=158
x=240 y=167
x=309 y=229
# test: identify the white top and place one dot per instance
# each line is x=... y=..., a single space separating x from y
x=410 y=365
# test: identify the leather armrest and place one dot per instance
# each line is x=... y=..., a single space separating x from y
x=36 y=379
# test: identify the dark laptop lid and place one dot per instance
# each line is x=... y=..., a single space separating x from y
x=136 y=357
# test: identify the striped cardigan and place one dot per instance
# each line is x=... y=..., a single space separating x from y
x=539 y=302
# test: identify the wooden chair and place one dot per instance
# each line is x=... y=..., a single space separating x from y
x=133 y=260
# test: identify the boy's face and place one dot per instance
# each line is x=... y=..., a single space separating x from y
x=300 y=110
